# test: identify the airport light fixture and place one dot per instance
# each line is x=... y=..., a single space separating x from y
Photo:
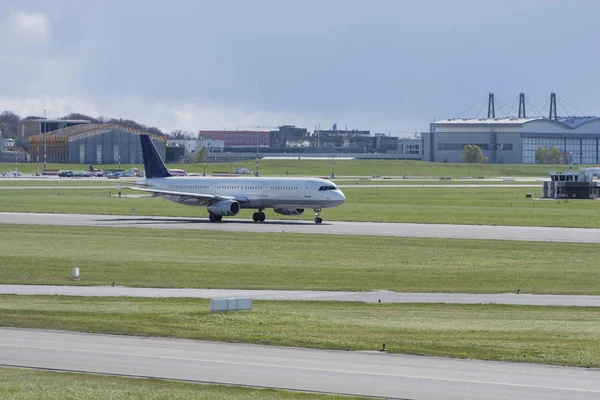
x=45 y=127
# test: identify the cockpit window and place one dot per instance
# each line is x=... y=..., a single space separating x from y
x=322 y=188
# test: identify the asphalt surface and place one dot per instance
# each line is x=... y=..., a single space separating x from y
x=357 y=373
x=521 y=233
x=44 y=187
x=366 y=297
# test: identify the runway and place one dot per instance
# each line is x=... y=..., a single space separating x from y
x=44 y=187
x=386 y=297
x=355 y=373
x=522 y=233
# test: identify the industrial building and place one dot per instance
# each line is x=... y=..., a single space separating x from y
x=515 y=140
x=288 y=136
x=354 y=140
x=92 y=144
x=237 y=138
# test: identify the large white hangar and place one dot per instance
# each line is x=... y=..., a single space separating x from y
x=514 y=140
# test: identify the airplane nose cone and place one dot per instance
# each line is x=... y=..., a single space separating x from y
x=342 y=198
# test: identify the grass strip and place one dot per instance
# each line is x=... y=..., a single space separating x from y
x=198 y=259
x=476 y=206
x=548 y=335
x=356 y=182
x=25 y=384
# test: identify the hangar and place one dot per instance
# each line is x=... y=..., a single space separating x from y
x=514 y=140
x=92 y=144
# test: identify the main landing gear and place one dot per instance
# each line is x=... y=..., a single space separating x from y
x=214 y=218
x=259 y=216
x=318 y=218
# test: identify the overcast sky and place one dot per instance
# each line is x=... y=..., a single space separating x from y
x=387 y=66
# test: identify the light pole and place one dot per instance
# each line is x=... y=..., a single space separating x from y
x=256 y=173
x=45 y=126
x=333 y=166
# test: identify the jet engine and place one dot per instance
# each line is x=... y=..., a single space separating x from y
x=224 y=208
x=289 y=211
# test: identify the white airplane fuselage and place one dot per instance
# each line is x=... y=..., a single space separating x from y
x=251 y=192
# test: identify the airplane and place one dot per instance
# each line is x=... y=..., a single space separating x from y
x=177 y=172
x=95 y=172
x=226 y=196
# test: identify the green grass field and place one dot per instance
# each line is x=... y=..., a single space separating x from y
x=342 y=168
x=26 y=384
x=477 y=206
x=549 y=335
x=196 y=259
x=342 y=181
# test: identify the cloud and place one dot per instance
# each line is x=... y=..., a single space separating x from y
x=55 y=106
x=391 y=66
x=28 y=28
x=195 y=116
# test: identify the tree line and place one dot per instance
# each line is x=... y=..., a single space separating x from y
x=543 y=155
x=9 y=124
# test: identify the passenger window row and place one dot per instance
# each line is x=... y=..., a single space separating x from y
x=188 y=186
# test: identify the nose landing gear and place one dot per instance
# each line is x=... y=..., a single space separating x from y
x=318 y=218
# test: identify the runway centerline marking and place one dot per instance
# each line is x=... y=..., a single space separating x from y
x=308 y=369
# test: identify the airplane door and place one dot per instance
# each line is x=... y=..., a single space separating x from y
x=307 y=189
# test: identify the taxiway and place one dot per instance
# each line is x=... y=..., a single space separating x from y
x=382 y=296
x=524 y=233
x=355 y=373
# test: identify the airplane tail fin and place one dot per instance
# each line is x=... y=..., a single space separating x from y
x=92 y=169
x=153 y=164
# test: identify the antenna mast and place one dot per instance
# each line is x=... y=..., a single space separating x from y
x=553 y=106
x=522 y=105
x=491 y=108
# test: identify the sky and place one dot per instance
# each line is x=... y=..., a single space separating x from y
x=389 y=66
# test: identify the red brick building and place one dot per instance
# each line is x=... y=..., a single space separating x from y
x=237 y=138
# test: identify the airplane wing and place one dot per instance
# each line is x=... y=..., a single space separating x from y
x=208 y=198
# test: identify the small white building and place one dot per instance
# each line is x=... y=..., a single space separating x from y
x=410 y=147
x=212 y=145
x=192 y=145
